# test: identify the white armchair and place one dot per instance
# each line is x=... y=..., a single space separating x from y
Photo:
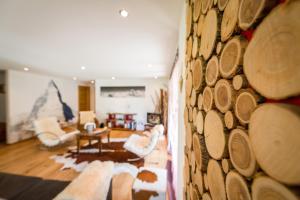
x=131 y=143
x=50 y=134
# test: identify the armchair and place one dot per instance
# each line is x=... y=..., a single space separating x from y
x=50 y=134
x=131 y=143
x=87 y=117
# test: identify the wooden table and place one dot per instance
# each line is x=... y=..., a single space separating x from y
x=98 y=135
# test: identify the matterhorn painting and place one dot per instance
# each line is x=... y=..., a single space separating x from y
x=50 y=103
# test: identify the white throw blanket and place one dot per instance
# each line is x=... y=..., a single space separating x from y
x=92 y=184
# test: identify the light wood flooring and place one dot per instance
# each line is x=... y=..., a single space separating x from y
x=26 y=158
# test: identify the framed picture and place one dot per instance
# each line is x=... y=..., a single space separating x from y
x=123 y=91
x=153 y=118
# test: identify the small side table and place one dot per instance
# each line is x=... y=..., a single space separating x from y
x=98 y=135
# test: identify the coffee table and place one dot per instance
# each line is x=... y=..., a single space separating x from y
x=98 y=134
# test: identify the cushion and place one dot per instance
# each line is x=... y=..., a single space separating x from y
x=92 y=184
x=48 y=124
x=87 y=116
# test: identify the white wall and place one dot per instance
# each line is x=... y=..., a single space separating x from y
x=137 y=105
x=177 y=139
x=2 y=99
x=23 y=89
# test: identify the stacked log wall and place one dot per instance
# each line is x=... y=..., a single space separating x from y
x=242 y=136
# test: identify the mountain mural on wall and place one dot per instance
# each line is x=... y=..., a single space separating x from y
x=50 y=103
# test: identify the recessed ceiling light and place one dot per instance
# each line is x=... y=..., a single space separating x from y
x=83 y=68
x=75 y=78
x=113 y=78
x=123 y=13
x=156 y=77
x=26 y=69
x=92 y=82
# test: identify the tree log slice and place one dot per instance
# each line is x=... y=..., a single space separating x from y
x=198 y=74
x=206 y=5
x=193 y=162
x=276 y=141
x=222 y=4
x=200 y=101
x=230 y=120
x=270 y=63
x=195 y=194
x=197 y=10
x=215 y=180
x=189 y=20
x=212 y=71
x=250 y=11
x=208 y=99
x=186 y=115
x=195 y=29
x=195 y=114
x=226 y=165
x=231 y=58
x=189 y=48
x=241 y=153
x=200 y=25
x=201 y=154
x=189 y=136
x=195 y=47
x=198 y=180
x=193 y=99
x=191 y=114
x=236 y=187
x=189 y=84
x=265 y=188
x=209 y=34
x=186 y=170
x=219 y=48
x=206 y=196
x=229 y=21
x=239 y=82
x=200 y=122
x=187 y=100
x=215 y=138
x=205 y=181
x=245 y=104
x=224 y=95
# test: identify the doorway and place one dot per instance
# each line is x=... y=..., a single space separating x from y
x=84 y=98
x=2 y=106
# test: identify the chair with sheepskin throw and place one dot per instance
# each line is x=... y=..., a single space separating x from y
x=131 y=143
x=87 y=117
x=50 y=134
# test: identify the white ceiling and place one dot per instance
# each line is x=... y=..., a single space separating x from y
x=59 y=36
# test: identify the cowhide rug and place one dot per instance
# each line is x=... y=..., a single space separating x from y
x=112 y=151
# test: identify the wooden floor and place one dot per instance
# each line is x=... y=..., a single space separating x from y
x=27 y=158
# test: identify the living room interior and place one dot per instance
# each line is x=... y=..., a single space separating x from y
x=149 y=100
